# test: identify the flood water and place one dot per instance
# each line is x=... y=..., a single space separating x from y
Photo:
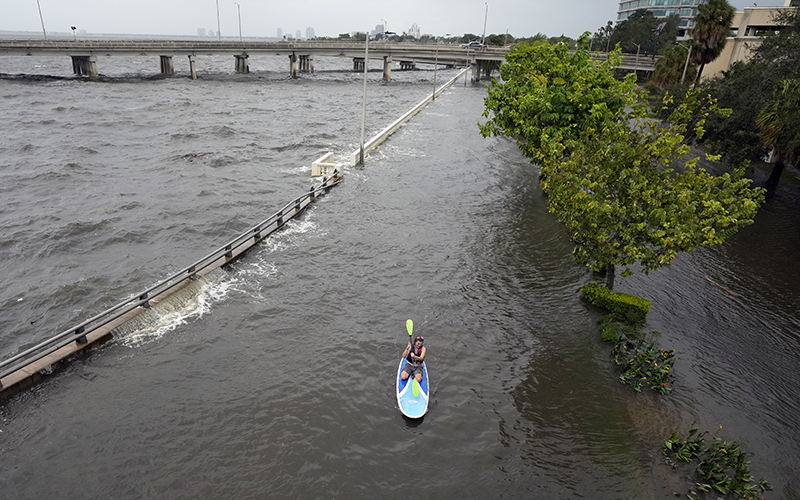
x=275 y=379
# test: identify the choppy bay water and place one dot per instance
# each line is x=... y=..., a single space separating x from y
x=276 y=379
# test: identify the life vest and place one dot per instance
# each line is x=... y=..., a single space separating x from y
x=417 y=353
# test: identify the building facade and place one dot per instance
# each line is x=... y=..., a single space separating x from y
x=685 y=9
x=746 y=30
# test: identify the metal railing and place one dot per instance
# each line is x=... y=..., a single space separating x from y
x=256 y=233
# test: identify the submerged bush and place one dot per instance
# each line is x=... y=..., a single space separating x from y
x=723 y=467
x=635 y=353
x=634 y=309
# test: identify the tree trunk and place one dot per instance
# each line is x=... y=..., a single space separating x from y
x=775 y=176
x=699 y=74
x=610 y=269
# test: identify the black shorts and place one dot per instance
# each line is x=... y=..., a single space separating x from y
x=413 y=370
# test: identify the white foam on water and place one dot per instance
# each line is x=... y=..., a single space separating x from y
x=192 y=301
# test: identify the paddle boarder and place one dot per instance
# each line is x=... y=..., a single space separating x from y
x=415 y=356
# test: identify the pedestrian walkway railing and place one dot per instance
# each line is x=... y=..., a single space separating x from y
x=29 y=362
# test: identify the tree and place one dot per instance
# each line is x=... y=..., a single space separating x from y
x=547 y=98
x=642 y=28
x=669 y=69
x=779 y=123
x=711 y=31
x=747 y=86
x=602 y=37
x=606 y=166
x=631 y=194
x=737 y=137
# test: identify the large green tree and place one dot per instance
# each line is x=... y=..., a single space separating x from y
x=607 y=168
x=547 y=98
x=644 y=32
x=711 y=31
x=779 y=123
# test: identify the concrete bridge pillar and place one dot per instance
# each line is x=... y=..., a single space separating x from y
x=358 y=64
x=387 y=68
x=293 y=65
x=193 y=66
x=407 y=65
x=167 y=67
x=242 y=65
x=84 y=65
x=476 y=70
x=307 y=63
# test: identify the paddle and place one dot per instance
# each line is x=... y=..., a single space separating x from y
x=414 y=384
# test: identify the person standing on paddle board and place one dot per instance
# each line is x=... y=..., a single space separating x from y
x=415 y=355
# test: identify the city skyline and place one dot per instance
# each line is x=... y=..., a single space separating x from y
x=522 y=18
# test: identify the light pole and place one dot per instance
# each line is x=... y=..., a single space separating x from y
x=636 y=64
x=74 y=38
x=239 y=8
x=42 y=19
x=219 y=33
x=485 y=16
x=364 y=103
x=685 y=66
x=385 y=26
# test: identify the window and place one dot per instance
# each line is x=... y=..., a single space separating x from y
x=686 y=13
x=672 y=2
x=687 y=2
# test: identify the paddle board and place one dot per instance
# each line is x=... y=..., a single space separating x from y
x=412 y=406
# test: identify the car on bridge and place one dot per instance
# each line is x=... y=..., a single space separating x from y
x=475 y=44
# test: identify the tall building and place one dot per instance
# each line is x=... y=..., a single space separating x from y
x=309 y=33
x=686 y=9
x=414 y=30
x=280 y=33
x=298 y=35
x=201 y=32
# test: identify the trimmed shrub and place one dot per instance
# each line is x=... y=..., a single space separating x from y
x=630 y=307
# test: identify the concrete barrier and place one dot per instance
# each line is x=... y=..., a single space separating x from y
x=392 y=128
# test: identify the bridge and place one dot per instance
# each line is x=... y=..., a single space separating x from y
x=84 y=54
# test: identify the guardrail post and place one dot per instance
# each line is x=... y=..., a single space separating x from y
x=311 y=194
x=257 y=233
x=191 y=272
x=228 y=253
x=82 y=339
x=279 y=222
x=146 y=304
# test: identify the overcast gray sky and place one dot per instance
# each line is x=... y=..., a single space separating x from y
x=327 y=17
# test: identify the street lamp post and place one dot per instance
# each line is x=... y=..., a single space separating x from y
x=219 y=33
x=74 y=37
x=385 y=26
x=42 y=19
x=636 y=64
x=239 y=8
x=364 y=102
x=485 y=16
x=685 y=66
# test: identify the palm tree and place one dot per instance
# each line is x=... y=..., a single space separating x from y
x=669 y=69
x=779 y=125
x=711 y=31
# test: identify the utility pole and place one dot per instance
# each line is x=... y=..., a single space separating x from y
x=239 y=8
x=42 y=19
x=485 y=16
x=219 y=33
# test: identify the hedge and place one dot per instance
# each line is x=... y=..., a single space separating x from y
x=634 y=309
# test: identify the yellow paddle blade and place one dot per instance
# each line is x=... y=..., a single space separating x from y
x=415 y=387
x=410 y=327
